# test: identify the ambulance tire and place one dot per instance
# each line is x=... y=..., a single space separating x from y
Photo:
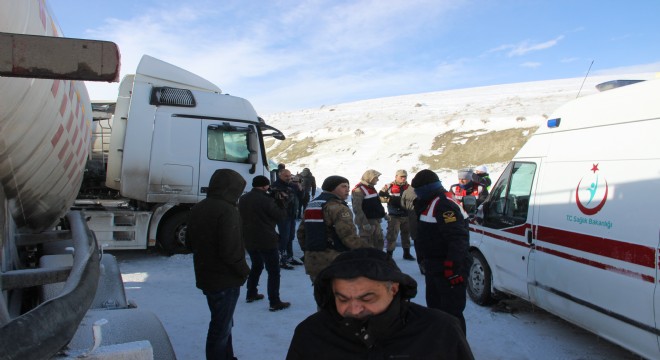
x=172 y=234
x=480 y=280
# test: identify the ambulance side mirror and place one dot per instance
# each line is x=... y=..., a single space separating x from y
x=470 y=205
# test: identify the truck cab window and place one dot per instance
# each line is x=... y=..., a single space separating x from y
x=227 y=144
x=509 y=201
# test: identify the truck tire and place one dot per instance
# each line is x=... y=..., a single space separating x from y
x=480 y=280
x=172 y=234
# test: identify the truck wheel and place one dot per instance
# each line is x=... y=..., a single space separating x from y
x=172 y=234
x=480 y=280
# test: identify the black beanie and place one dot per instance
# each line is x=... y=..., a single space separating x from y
x=331 y=182
x=371 y=263
x=259 y=181
x=424 y=177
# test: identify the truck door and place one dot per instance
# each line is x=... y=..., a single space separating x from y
x=506 y=229
x=227 y=145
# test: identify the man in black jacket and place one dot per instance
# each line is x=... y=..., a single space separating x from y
x=214 y=235
x=441 y=245
x=365 y=313
x=259 y=214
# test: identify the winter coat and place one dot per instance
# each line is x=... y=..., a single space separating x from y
x=441 y=232
x=291 y=197
x=259 y=215
x=338 y=221
x=365 y=200
x=408 y=202
x=391 y=194
x=214 y=233
x=471 y=188
x=403 y=331
x=308 y=181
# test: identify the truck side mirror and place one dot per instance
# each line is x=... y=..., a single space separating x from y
x=253 y=148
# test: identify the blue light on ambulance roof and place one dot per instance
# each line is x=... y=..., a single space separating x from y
x=553 y=123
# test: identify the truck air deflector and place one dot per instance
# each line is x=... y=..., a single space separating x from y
x=170 y=96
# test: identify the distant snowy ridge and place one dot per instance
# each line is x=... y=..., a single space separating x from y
x=443 y=131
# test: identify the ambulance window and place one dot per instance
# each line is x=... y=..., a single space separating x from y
x=508 y=204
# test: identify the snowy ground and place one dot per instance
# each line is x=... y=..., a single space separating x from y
x=166 y=286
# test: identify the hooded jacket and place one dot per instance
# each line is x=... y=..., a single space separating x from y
x=404 y=330
x=214 y=233
x=365 y=200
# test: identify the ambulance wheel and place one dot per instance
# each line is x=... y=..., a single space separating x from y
x=172 y=234
x=480 y=280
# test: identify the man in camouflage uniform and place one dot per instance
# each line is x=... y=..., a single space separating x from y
x=328 y=229
x=369 y=211
x=398 y=216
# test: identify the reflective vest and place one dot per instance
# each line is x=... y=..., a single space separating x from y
x=316 y=230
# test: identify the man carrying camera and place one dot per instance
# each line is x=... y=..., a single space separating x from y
x=283 y=190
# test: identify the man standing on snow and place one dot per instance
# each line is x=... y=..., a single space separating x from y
x=214 y=234
x=441 y=245
x=365 y=313
x=327 y=228
x=398 y=216
x=283 y=189
x=309 y=186
x=259 y=214
x=368 y=209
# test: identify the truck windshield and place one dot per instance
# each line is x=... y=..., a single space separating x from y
x=228 y=144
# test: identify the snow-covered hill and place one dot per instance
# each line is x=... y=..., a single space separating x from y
x=443 y=131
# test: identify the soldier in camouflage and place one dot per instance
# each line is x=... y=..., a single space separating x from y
x=327 y=228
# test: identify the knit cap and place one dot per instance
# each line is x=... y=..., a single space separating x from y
x=260 y=181
x=424 y=177
x=465 y=174
x=331 y=182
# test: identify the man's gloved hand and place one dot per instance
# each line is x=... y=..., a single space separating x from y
x=383 y=194
x=453 y=278
x=366 y=227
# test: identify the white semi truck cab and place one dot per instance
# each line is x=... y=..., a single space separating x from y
x=154 y=156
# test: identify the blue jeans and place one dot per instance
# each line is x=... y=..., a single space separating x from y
x=269 y=258
x=287 y=230
x=222 y=304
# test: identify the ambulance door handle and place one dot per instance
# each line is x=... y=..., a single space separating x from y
x=529 y=236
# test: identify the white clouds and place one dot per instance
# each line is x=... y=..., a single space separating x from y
x=526 y=47
x=531 y=64
x=286 y=54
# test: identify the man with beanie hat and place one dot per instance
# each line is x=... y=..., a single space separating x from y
x=368 y=209
x=365 y=313
x=467 y=192
x=327 y=228
x=259 y=215
x=441 y=245
x=398 y=216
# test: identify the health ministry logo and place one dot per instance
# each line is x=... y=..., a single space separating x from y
x=591 y=197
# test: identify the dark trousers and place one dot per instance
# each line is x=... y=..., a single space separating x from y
x=287 y=230
x=222 y=304
x=269 y=258
x=440 y=295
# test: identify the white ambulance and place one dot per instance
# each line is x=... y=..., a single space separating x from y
x=573 y=223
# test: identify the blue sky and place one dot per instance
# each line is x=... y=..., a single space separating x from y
x=286 y=55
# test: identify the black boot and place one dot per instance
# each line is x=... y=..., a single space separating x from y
x=406 y=255
x=389 y=254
